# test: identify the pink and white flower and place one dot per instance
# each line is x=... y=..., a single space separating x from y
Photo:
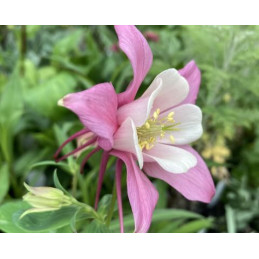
x=155 y=130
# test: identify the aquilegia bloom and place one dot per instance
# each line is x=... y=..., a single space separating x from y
x=151 y=133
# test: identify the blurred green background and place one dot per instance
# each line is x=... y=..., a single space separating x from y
x=40 y=64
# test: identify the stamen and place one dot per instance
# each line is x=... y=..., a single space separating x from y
x=156 y=113
x=172 y=139
x=147 y=125
x=170 y=115
x=148 y=147
x=156 y=127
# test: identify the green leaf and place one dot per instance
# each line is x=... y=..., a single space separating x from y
x=97 y=227
x=168 y=227
x=46 y=72
x=231 y=222
x=58 y=184
x=11 y=109
x=50 y=162
x=4 y=181
x=68 y=43
x=52 y=221
x=30 y=73
x=162 y=188
x=159 y=215
x=74 y=219
x=194 y=226
x=65 y=229
x=44 y=97
x=167 y=214
x=104 y=205
x=8 y=223
x=45 y=221
x=25 y=162
x=31 y=30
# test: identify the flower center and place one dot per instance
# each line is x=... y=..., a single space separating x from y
x=155 y=128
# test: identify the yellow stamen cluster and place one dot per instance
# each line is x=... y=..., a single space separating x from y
x=156 y=127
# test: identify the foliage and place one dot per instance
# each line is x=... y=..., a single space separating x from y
x=40 y=64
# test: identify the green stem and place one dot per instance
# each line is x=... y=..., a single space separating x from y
x=74 y=184
x=83 y=189
x=89 y=210
x=23 y=47
x=111 y=210
x=13 y=181
x=93 y=212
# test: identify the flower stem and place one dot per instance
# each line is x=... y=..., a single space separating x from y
x=23 y=47
x=89 y=210
x=74 y=184
x=111 y=210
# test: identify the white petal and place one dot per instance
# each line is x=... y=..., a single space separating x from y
x=190 y=128
x=174 y=90
x=139 y=109
x=126 y=139
x=170 y=158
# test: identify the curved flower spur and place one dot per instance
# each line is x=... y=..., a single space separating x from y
x=153 y=131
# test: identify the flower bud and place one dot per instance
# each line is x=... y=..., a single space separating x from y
x=45 y=199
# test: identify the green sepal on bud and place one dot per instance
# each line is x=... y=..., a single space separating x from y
x=44 y=199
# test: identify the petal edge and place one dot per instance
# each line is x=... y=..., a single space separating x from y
x=135 y=46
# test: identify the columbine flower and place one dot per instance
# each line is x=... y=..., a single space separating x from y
x=154 y=130
x=45 y=199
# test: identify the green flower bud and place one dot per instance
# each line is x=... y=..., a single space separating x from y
x=45 y=199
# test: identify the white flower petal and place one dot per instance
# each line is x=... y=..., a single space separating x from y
x=139 y=109
x=174 y=90
x=170 y=158
x=190 y=128
x=126 y=139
